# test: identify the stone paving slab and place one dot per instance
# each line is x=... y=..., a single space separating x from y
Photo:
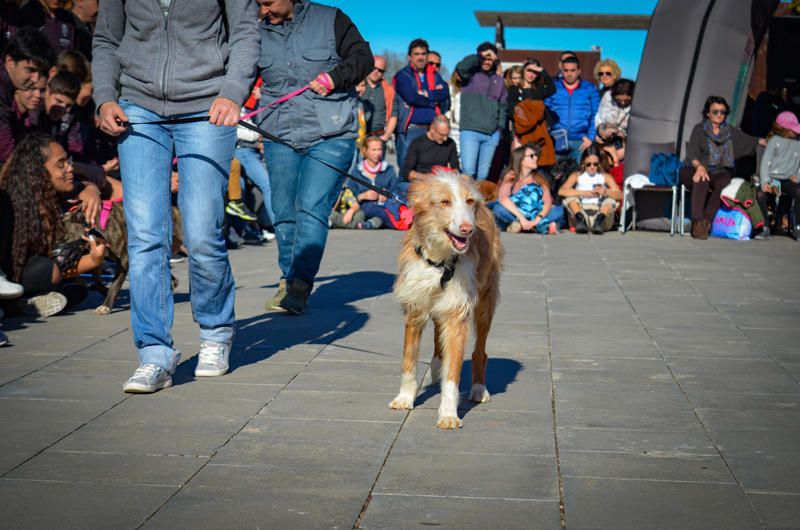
x=637 y=381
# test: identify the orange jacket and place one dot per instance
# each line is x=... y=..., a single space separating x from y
x=388 y=96
x=530 y=127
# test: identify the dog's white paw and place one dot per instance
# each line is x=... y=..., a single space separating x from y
x=449 y=422
x=402 y=402
x=479 y=394
x=102 y=310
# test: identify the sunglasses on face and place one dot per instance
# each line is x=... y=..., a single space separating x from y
x=592 y=164
x=531 y=155
x=605 y=74
x=717 y=112
x=530 y=71
x=381 y=70
x=432 y=63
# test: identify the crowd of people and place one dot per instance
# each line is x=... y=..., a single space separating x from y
x=547 y=149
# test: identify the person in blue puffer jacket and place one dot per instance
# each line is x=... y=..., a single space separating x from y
x=574 y=106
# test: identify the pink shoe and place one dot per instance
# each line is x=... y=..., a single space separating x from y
x=552 y=228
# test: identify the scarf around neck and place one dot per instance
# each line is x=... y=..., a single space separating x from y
x=720 y=146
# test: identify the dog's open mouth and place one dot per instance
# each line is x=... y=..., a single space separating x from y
x=459 y=243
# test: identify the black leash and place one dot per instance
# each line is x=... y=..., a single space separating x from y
x=272 y=138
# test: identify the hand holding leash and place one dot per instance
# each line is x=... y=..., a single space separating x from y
x=113 y=120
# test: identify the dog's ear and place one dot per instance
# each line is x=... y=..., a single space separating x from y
x=416 y=193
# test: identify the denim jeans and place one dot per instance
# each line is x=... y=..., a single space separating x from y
x=204 y=153
x=477 y=150
x=403 y=140
x=503 y=217
x=256 y=169
x=303 y=194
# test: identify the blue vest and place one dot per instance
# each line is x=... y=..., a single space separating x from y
x=292 y=54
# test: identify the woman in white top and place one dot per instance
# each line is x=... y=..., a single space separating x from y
x=591 y=193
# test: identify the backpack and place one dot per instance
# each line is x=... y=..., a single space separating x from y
x=664 y=168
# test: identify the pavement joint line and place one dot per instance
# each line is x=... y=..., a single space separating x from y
x=643 y=479
x=89 y=482
x=562 y=508
x=680 y=386
x=782 y=493
x=65 y=356
x=118 y=453
x=652 y=454
x=341 y=420
x=465 y=497
x=257 y=414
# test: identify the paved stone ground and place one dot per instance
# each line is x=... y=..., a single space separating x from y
x=638 y=381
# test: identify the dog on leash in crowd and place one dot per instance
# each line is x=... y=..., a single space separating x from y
x=449 y=272
x=116 y=239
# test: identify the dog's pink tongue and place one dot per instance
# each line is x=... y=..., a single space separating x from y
x=459 y=242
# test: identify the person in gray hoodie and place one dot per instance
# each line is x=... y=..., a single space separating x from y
x=155 y=60
x=780 y=168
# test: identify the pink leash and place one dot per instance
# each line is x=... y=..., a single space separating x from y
x=323 y=79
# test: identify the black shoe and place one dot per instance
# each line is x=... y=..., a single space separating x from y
x=580 y=224
x=233 y=240
x=74 y=292
x=597 y=226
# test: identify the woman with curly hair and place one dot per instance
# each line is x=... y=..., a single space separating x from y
x=33 y=181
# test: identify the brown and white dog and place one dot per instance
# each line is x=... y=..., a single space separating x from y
x=449 y=271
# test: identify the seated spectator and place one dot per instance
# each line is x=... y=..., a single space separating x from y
x=76 y=63
x=615 y=110
x=780 y=169
x=27 y=103
x=530 y=126
x=483 y=110
x=27 y=57
x=48 y=16
x=524 y=202
x=713 y=148
x=574 y=105
x=591 y=196
x=57 y=118
x=435 y=148
x=606 y=73
x=614 y=149
x=381 y=174
x=34 y=185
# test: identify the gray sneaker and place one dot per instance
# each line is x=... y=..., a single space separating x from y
x=45 y=305
x=213 y=359
x=149 y=378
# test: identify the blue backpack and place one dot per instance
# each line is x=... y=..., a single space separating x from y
x=664 y=168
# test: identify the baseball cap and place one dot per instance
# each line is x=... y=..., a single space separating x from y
x=788 y=120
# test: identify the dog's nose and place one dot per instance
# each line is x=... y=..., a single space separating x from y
x=466 y=228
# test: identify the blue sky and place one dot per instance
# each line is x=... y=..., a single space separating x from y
x=451 y=28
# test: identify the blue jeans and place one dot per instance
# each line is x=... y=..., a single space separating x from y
x=477 y=150
x=303 y=194
x=403 y=140
x=503 y=217
x=256 y=170
x=204 y=154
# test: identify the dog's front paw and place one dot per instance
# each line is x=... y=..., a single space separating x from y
x=479 y=394
x=402 y=402
x=102 y=310
x=449 y=422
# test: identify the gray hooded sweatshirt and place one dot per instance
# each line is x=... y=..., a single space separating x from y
x=175 y=60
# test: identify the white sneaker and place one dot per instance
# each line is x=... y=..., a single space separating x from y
x=9 y=289
x=150 y=377
x=45 y=305
x=267 y=235
x=212 y=359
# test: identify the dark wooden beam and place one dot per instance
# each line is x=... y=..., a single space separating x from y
x=563 y=20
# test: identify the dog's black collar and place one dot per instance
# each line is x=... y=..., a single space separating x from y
x=448 y=268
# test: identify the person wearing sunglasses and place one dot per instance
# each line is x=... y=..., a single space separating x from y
x=434 y=60
x=591 y=196
x=711 y=154
x=483 y=110
x=606 y=73
x=378 y=96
